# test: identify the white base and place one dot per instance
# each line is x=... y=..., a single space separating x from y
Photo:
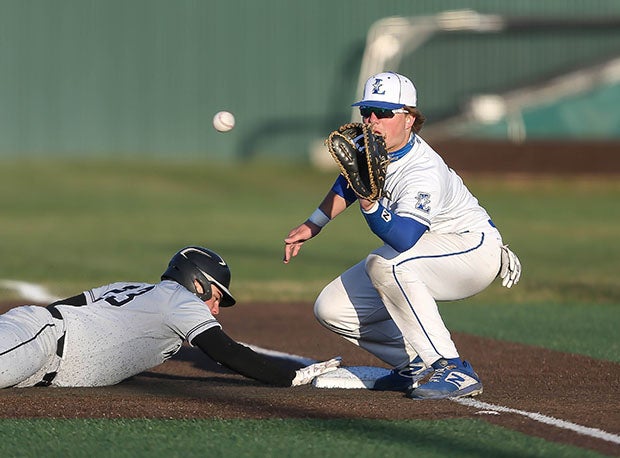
x=354 y=377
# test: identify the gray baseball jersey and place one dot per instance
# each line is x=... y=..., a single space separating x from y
x=124 y=329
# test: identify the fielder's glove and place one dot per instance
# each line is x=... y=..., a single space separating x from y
x=306 y=374
x=510 y=272
x=361 y=157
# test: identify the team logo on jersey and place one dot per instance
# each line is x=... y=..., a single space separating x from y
x=424 y=202
x=377 y=87
x=386 y=216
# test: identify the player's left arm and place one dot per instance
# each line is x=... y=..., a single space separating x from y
x=399 y=232
x=243 y=360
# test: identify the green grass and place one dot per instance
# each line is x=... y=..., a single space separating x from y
x=70 y=225
x=565 y=232
x=270 y=438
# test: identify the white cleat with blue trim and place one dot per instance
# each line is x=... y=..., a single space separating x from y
x=403 y=379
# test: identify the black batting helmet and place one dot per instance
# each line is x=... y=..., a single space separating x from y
x=206 y=266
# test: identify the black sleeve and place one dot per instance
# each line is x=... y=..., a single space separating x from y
x=78 y=301
x=243 y=360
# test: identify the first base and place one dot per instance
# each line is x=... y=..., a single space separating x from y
x=354 y=377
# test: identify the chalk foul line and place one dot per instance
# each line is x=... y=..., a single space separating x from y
x=28 y=291
x=491 y=409
x=587 y=431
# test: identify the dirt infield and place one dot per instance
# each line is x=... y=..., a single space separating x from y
x=568 y=387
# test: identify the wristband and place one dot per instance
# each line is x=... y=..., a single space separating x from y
x=319 y=218
x=372 y=209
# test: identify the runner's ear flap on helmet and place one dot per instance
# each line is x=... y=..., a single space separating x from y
x=206 y=267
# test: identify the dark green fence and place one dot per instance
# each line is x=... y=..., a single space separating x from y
x=127 y=77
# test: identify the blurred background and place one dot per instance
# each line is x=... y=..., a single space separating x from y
x=145 y=77
x=109 y=162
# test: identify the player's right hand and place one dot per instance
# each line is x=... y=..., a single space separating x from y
x=297 y=237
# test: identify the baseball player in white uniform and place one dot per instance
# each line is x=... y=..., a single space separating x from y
x=112 y=332
x=439 y=245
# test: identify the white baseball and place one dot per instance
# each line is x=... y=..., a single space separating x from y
x=223 y=121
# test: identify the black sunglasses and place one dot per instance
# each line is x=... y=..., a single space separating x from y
x=380 y=113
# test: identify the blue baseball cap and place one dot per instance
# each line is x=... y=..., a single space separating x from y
x=388 y=90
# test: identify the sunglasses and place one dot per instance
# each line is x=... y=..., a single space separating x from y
x=380 y=113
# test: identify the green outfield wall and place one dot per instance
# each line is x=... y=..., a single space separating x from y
x=131 y=77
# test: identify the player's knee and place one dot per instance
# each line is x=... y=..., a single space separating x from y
x=324 y=309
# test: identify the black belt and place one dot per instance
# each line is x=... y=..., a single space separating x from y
x=61 y=342
x=60 y=347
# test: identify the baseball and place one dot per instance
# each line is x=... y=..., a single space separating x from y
x=223 y=121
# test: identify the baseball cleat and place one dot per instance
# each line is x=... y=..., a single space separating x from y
x=451 y=379
x=403 y=379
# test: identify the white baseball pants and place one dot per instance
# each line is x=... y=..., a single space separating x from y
x=28 y=343
x=386 y=304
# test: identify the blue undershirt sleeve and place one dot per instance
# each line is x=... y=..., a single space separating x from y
x=400 y=232
x=342 y=188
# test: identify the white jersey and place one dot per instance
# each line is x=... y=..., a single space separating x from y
x=387 y=303
x=127 y=328
x=421 y=186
